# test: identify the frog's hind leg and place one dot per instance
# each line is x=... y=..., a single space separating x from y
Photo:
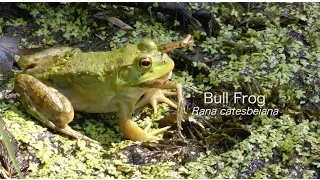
x=46 y=56
x=47 y=105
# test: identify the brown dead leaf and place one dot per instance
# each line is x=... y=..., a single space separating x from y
x=113 y=20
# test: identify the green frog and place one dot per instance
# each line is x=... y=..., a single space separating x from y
x=58 y=81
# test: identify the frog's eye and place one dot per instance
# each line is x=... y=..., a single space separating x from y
x=145 y=62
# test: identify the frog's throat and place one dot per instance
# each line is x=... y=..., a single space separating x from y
x=156 y=83
x=166 y=76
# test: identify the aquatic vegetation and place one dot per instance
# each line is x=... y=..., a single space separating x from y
x=269 y=49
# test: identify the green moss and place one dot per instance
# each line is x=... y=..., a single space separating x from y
x=69 y=20
x=16 y=22
x=258 y=146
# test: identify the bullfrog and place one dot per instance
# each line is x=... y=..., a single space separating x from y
x=58 y=81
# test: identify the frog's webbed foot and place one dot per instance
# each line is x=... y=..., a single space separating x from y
x=133 y=132
x=155 y=95
x=47 y=105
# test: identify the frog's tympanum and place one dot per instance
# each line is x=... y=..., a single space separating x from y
x=56 y=82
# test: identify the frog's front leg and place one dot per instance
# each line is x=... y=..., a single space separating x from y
x=155 y=95
x=47 y=105
x=130 y=129
x=158 y=93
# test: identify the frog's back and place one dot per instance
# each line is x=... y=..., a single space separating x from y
x=101 y=62
x=77 y=63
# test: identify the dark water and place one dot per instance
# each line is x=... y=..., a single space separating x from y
x=8 y=48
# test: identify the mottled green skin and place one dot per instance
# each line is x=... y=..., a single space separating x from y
x=97 y=81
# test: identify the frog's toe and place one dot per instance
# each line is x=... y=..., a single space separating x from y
x=153 y=96
x=70 y=132
x=159 y=131
x=133 y=132
x=153 y=135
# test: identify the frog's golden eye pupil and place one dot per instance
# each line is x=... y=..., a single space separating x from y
x=145 y=62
